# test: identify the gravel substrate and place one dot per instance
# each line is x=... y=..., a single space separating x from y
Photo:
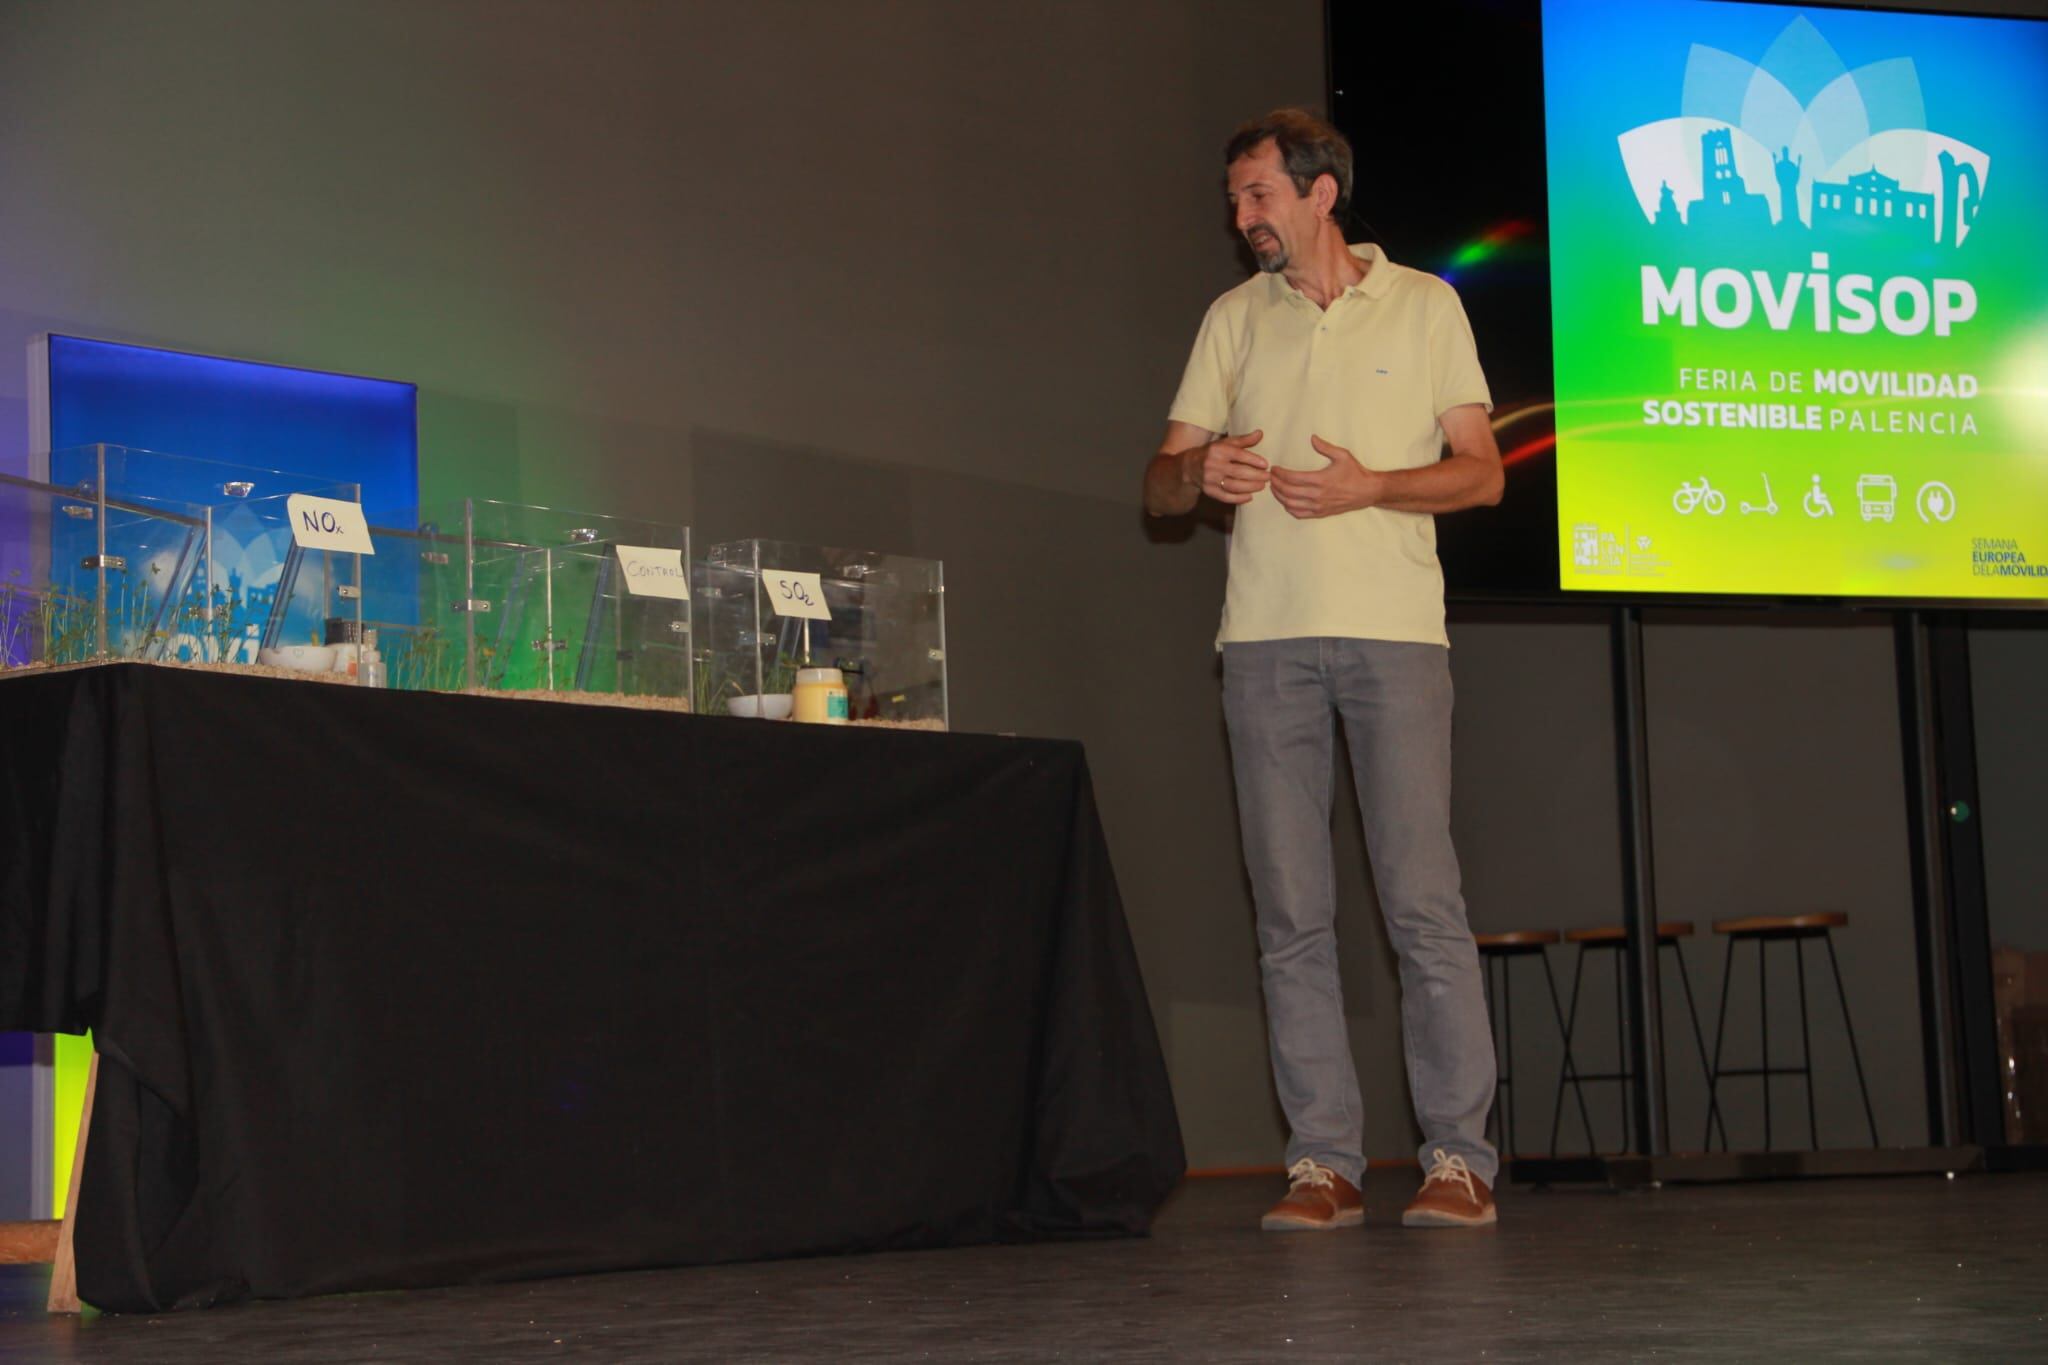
x=627 y=700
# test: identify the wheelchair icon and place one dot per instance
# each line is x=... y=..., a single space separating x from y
x=1816 y=501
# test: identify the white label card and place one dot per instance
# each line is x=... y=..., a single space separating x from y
x=328 y=524
x=654 y=573
x=796 y=594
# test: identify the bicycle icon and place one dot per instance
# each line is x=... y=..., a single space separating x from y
x=1816 y=501
x=1690 y=496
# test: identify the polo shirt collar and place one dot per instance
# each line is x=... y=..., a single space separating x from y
x=1379 y=275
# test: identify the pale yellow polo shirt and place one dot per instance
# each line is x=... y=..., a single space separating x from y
x=1371 y=374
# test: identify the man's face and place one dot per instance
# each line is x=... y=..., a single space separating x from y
x=1278 y=223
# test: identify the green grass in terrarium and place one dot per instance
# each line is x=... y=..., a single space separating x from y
x=423 y=659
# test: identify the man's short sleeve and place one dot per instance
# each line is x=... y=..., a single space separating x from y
x=1454 y=374
x=1209 y=384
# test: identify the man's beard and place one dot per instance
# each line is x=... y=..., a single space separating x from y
x=1271 y=258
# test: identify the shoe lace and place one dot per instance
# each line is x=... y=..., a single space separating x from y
x=1449 y=1168
x=1307 y=1172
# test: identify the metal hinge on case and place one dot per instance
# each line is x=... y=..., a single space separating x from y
x=103 y=562
x=348 y=592
x=479 y=605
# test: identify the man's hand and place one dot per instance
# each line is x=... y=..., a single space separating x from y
x=1226 y=468
x=1345 y=486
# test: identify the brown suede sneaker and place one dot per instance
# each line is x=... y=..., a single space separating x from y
x=1451 y=1197
x=1318 y=1199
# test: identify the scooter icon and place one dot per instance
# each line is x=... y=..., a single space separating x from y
x=1816 y=502
x=1769 y=506
x=1690 y=496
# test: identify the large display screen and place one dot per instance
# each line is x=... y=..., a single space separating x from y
x=330 y=426
x=1799 y=304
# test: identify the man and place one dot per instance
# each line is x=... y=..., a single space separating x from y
x=1343 y=376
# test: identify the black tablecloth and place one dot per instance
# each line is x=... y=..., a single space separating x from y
x=394 y=989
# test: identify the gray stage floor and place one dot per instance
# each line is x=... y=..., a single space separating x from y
x=1902 y=1269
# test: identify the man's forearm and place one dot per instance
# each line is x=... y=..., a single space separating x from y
x=1167 y=490
x=1449 y=485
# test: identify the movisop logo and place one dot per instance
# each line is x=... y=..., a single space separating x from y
x=1797 y=151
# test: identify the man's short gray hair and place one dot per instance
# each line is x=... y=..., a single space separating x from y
x=1308 y=148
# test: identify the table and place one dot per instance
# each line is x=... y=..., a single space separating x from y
x=397 y=989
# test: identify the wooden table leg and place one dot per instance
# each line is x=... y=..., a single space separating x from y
x=64 y=1272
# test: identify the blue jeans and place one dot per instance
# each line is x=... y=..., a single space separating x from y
x=1282 y=699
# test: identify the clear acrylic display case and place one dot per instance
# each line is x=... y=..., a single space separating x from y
x=114 y=553
x=511 y=597
x=882 y=623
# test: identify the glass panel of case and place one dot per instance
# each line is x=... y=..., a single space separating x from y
x=883 y=625
x=512 y=597
x=116 y=553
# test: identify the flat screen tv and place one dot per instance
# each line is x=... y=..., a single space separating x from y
x=1756 y=286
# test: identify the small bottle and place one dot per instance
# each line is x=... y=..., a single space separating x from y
x=373 y=662
x=820 y=696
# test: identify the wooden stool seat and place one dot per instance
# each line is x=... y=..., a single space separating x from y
x=1515 y=939
x=1813 y=923
x=1615 y=933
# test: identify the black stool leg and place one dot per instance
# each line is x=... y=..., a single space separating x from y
x=1854 y=1055
x=1568 y=1070
x=1714 y=1074
x=1663 y=1072
x=1805 y=1043
x=1624 y=1064
x=1570 y=1023
x=1699 y=1041
x=1763 y=1011
x=1507 y=1024
x=1492 y=1036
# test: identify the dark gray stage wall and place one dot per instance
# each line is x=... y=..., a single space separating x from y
x=923 y=276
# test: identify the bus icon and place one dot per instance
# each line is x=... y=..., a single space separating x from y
x=1879 y=496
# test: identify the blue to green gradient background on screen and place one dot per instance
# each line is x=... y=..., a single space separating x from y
x=1610 y=69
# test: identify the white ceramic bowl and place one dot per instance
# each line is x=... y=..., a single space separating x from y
x=299 y=658
x=773 y=706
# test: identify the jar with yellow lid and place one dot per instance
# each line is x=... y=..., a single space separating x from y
x=820 y=696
